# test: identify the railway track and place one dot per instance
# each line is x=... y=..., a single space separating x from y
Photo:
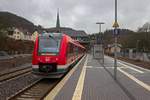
x=14 y=73
x=36 y=91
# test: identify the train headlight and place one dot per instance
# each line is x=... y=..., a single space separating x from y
x=56 y=59
x=35 y=66
x=47 y=59
x=39 y=59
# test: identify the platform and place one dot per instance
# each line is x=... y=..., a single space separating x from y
x=90 y=80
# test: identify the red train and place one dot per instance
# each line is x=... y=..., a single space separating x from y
x=54 y=54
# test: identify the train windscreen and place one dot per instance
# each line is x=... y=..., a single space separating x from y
x=49 y=44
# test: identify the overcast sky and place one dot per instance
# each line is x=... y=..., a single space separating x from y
x=81 y=14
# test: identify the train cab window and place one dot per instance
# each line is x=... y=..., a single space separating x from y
x=49 y=44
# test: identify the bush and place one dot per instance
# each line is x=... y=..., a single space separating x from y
x=15 y=46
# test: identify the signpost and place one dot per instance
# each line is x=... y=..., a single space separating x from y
x=115 y=25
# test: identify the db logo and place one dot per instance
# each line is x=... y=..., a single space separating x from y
x=47 y=59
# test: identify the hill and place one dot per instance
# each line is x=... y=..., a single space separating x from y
x=128 y=39
x=8 y=19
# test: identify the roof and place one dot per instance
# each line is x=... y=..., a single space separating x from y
x=39 y=31
x=69 y=31
x=66 y=30
x=24 y=31
x=112 y=45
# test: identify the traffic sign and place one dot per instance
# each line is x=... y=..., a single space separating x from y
x=115 y=24
x=116 y=32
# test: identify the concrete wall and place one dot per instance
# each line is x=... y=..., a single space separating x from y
x=136 y=56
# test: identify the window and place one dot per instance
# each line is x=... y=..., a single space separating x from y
x=70 y=50
x=49 y=44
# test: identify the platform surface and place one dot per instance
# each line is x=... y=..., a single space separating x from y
x=93 y=81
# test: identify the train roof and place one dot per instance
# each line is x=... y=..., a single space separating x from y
x=75 y=42
x=51 y=34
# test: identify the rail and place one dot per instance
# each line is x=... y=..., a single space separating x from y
x=14 y=73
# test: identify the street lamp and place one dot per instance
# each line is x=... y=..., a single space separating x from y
x=100 y=23
x=100 y=33
x=101 y=39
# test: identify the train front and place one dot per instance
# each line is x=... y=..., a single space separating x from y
x=46 y=55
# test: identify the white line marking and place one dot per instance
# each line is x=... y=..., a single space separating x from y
x=89 y=66
x=144 y=85
x=137 y=70
x=79 y=88
x=135 y=66
x=58 y=87
x=101 y=67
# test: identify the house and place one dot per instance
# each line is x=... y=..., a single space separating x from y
x=111 y=48
x=16 y=34
x=19 y=34
x=27 y=36
x=34 y=35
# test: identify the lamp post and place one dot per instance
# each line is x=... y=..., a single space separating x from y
x=100 y=23
x=101 y=39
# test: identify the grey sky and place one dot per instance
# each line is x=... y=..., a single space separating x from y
x=81 y=14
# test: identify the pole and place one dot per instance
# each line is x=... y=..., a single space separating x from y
x=115 y=50
x=101 y=36
x=101 y=43
x=100 y=28
x=115 y=59
x=116 y=10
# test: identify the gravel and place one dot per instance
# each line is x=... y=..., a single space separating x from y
x=14 y=62
x=11 y=87
x=136 y=62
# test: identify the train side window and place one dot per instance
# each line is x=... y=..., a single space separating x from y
x=70 y=50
